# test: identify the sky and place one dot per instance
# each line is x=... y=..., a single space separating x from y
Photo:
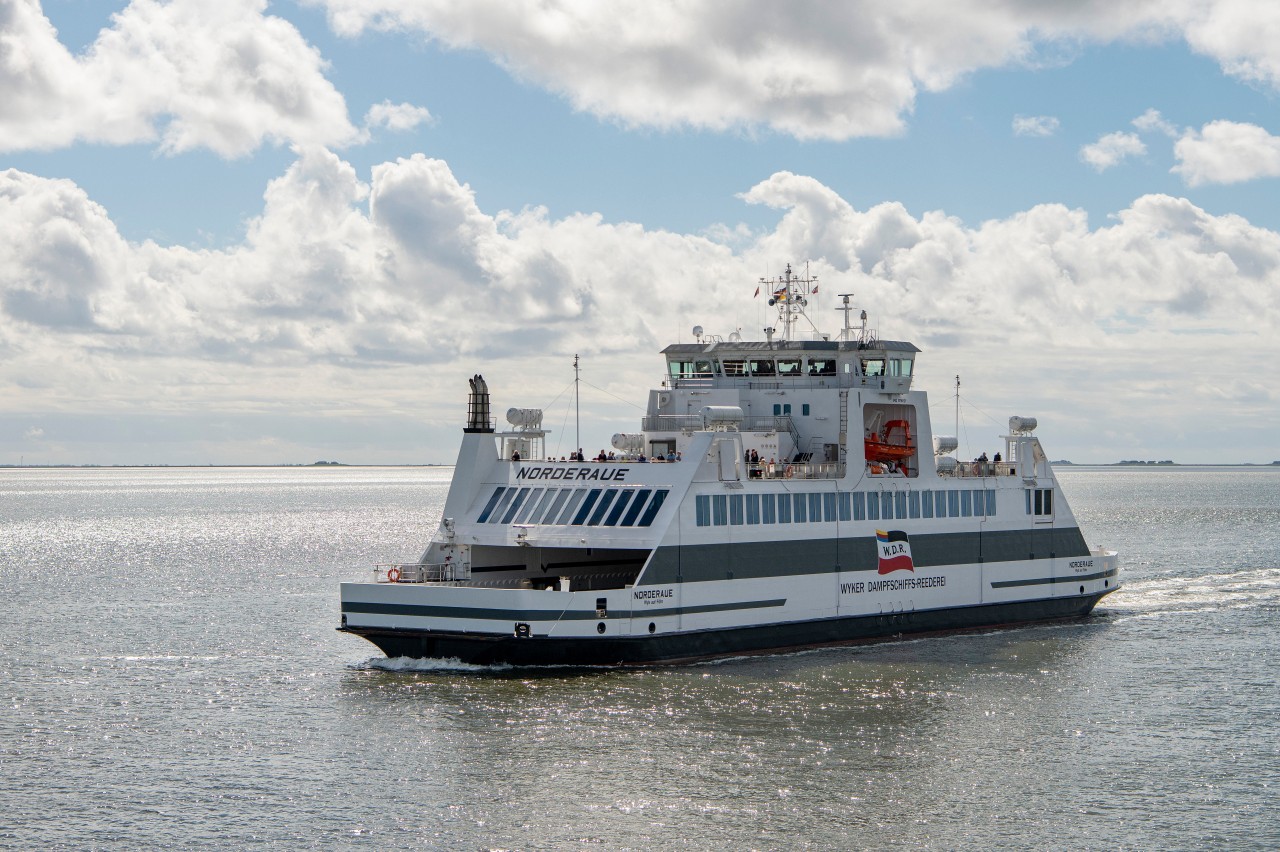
x=240 y=232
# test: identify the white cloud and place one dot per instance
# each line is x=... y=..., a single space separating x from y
x=187 y=74
x=1226 y=152
x=1111 y=149
x=398 y=117
x=33 y=433
x=1035 y=125
x=378 y=297
x=1152 y=121
x=811 y=70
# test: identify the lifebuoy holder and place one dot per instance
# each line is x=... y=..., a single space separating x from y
x=393 y=574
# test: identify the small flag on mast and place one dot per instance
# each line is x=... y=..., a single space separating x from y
x=757 y=292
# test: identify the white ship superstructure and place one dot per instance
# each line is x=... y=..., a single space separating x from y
x=782 y=493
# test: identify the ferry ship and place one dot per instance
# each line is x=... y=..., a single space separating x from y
x=781 y=494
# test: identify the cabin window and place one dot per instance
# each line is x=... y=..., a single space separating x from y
x=913 y=504
x=804 y=409
x=637 y=505
x=651 y=511
x=735 y=368
x=703 y=510
x=784 y=508
x=822 y=366
x=767 y=513
x=900 y=504
x=979 y=502
x=798 y=512
x=530 y=505
x=777 y=409
x=720 y=509
x=585 y=509
x=886 y=505
x=536 y=517
x=515 y=505
x=735 y=509
x=488 y=508
x=858 y=501
x=991 y=502
x=953 y=503
x=815 y=508
x=786 y=408
x=873 y=507
x=762 y=367
x=619 y=507
x=602 y=506
x=753 y=508
x=873 y=366
x=829 y=507
x=788 y=366
x=966 y=504
x=557 y=502
x=843 y=499
x=1042 y=501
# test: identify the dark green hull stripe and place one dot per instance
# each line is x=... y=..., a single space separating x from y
x=472 y=613
x=1041 y=581
x=742 y=560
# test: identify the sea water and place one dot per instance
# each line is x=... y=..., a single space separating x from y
x=170 y=675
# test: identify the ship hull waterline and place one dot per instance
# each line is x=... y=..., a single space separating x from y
x=692 y=646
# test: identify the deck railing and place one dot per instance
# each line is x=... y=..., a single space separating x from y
x=422 y=572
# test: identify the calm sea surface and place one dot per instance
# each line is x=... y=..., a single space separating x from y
x=170 y=675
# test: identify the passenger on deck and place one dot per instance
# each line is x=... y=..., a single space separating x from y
x=642 y=459
x=515 y=456
x=671 y=456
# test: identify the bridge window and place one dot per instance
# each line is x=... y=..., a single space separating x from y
x=873 y=366
x=788 y=366
x=735 y=368
x=822 y=366
x=762 y=367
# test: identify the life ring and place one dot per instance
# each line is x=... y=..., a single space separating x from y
x=393 y=574
x=787 y=473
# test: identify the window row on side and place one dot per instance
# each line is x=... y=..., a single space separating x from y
x=592 y=507
x=825 y=507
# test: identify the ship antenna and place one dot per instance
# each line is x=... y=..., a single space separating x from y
x=577 y=406
x=957 y=407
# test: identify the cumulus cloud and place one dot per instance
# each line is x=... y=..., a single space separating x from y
x=811 y=70
x=1035 y=125
x=1112 y=149
x=382 y=293
x=1226 y=152
x=186 y=74
x=1152 y=121
x=397 y=117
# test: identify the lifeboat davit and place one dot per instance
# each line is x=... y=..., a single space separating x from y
x=892 y=445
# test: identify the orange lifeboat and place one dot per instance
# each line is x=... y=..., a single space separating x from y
x=892 y=445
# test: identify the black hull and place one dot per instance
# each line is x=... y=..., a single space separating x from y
x=490 y=649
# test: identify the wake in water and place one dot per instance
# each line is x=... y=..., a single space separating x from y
x=410 y=664
x=1259 y=587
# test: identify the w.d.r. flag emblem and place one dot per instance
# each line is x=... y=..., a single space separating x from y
x=894 y=551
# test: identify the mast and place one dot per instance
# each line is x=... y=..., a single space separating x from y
x=957 y=407
x=577 y=407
